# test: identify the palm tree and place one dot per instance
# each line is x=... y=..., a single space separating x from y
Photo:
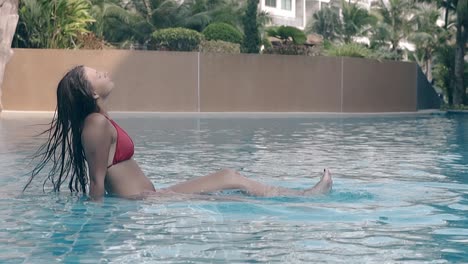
x=356 y=21
x=157 y=13
x=457 y=85
x=444 y=69
x=428 y=37
x=448 y=6
x=395 y=22
x=193 y=14
x=327 y=23
x=197 y=14
x=103 y=11
x=459 y=95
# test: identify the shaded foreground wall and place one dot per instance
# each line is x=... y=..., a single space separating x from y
x=193 y=82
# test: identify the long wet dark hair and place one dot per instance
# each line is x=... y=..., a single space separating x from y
x=63 y=147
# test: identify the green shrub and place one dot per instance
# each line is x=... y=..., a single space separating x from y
x=224 y=32
x=176 y=39
x=286 y=33
x=219 y=46
x=287 y=49
x=461 y=107
x=385 y=54
x=266 y=43
x=350 y=50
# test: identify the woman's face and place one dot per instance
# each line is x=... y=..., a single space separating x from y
x=100 y=81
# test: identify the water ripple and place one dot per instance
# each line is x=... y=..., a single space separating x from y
x=400 y=194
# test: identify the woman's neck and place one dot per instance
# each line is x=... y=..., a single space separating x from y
x=102 y=103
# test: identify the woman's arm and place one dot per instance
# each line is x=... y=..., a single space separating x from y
x=96 y=138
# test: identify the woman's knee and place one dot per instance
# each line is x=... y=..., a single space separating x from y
x=228 y=171
x=232 y=177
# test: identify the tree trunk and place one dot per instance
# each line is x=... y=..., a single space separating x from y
x=429 y=69
x=8 y=20
x=459 y=92
x=446 y=17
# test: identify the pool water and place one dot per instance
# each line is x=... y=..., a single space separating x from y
x=400 y=193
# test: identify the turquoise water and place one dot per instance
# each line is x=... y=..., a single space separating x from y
x=400 y=193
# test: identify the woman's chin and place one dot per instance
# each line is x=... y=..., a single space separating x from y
x=110 y=88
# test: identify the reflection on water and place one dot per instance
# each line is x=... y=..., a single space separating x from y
x=400 y=193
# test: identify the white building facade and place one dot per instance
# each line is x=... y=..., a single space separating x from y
x=297 y=13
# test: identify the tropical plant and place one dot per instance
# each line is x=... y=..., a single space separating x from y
x=459 y=8
x=428 y=37
x=176 y=39
x=459 y=92
x=224 y=32
x=444 y=70
x=327 y=23
x=356 y=21
x=33 y=26
x=287 y=33
x=51 y=24
x=252 y=38
x=157 y=13
x=103 y=10
x=395 y=23
x=349 y=50
x=449 y=7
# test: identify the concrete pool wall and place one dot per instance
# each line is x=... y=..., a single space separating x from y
x=202 y=82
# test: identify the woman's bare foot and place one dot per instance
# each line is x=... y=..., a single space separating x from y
x=323 y=186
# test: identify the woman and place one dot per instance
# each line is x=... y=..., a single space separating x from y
x=81 y=132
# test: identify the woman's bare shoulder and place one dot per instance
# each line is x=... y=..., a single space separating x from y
x=95 y=122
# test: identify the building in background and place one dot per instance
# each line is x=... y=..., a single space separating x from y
x=297 y=13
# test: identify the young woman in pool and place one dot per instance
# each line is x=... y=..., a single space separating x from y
x=85 y=143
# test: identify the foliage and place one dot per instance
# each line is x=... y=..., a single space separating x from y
x=266 y=43
x=350 y=50
x=382 y=53
x=224 y=32
x=327 y=23
x=197 y=14
x=90 y=41
x=459 y=91
x=459 y=107
x=444 y=70
x=456 y=89
x=51 y=24
x=103 y=10
x=219 y=46
x=427 y=37
x=287 y=33
x=252 y=39
x=356 y=21
x=395 y=23
x=293 y=49
x=157 y=13
x=176 y=39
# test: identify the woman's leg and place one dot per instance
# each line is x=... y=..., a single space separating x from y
x=231 y=179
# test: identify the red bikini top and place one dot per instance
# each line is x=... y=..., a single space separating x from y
x=124 y=147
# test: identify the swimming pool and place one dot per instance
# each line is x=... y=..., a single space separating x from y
x=400 y=193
